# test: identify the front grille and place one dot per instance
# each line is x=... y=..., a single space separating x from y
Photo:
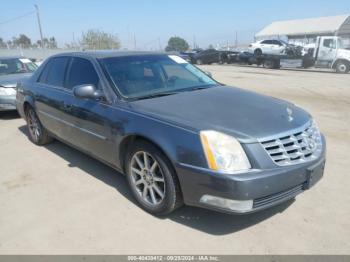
x=296 y=147
x=278 y=197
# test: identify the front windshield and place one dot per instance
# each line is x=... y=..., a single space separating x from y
x=148 y=75
x=16 y=66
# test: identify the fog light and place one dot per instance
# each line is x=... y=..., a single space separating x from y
x=234 y=205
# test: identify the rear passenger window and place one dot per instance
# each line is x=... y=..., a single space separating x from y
x=82 y=72
x=56 y=71
x=44 y=73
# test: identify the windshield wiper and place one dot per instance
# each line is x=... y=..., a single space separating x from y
x=199 y=87
x=154 y=95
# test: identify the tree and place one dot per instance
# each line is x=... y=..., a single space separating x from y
x=23 y=41
x=96 y=39
x=177 y=44
x=2 y=43
x=52 y=42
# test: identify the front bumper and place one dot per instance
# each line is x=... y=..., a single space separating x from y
x=7 y=103
x=262 y=188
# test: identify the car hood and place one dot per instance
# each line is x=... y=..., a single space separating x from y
x=13 y=79
x=246 y=115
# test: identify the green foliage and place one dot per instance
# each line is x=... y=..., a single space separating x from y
x=96 y=39
x=177 y=44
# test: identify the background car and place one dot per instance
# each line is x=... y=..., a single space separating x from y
x=12 y=71
x=206 y=57
x=210 y=56
x=241 y=57
x=271 y=47
x=274 y=47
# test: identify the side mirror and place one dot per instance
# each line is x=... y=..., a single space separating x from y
x=88 y=92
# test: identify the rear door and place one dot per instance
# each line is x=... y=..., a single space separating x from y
x=91 y=118
x=52 y=100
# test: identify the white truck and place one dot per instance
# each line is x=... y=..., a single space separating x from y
x=329 y=52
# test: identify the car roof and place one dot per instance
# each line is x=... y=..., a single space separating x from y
x=108 y=53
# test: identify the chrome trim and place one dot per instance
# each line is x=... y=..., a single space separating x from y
x=73 y=125
x=297 y=146
x=286 y=133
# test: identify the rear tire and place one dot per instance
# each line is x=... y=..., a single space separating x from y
x=37 y=132
x=342 y=67
x=152 y=179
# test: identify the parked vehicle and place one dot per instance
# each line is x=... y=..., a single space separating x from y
x=12 y=71
x=268 y=47
x=328 y=52
x=241 y=57
x=177 y=134
x=188 y=56
x=210 y=56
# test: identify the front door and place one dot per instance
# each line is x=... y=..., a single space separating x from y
x=327 y=52
x=93 y=131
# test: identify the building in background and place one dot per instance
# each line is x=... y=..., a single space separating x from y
x=305 y=31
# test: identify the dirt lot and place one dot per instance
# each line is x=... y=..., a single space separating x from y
x=56 y=200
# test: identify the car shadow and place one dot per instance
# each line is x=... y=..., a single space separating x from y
x=207 y=221
x=9 y=115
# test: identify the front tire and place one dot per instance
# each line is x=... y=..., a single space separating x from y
x=257 y=52
x=152 y=179
x=342 y=67
x=37 y=133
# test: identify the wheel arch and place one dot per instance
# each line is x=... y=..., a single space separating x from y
x=340 y=60
x=126 y=143
x=133 y=138
x=27 y=102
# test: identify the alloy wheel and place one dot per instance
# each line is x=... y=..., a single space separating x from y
x=147 y=178
x=33 y=125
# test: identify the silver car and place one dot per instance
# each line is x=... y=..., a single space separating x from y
x=12 y=71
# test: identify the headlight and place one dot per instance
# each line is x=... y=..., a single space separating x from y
x=224 y=153
x=8 y=91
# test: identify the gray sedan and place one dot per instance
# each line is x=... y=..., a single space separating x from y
x=179 y=136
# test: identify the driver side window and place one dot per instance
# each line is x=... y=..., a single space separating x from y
x=82 y=72
x=330 y=43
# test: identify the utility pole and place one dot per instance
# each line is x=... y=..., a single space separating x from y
x=39 y=23
x=134 y=41
x=236 y=40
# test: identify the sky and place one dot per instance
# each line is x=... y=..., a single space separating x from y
x=149 y=24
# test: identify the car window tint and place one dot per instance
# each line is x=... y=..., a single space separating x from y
x=269 y=42
x=57 y=70
x=82 y=72
x=44 y=73
x=275 y=42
